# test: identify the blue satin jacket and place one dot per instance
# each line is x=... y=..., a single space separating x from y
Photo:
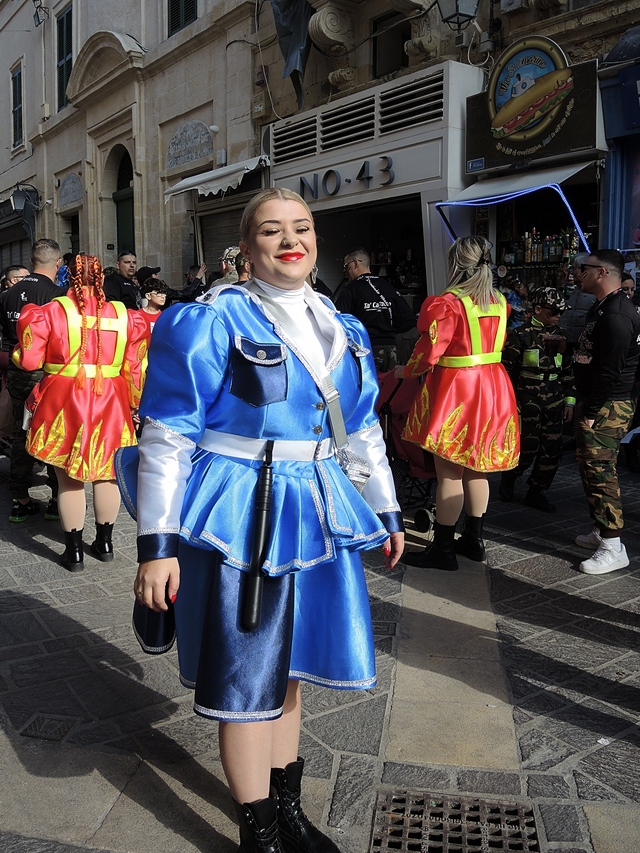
x=227 y=366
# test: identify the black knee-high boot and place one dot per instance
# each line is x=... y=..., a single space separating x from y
x=101 y=547
x=440 y=554
x=258 y=827
x=471 y=544
x=297 y=833
x=73 y=557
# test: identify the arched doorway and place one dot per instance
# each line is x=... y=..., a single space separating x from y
x=123 y=198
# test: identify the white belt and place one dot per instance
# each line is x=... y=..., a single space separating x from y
x=228 y=444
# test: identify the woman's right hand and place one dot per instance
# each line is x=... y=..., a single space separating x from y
x=156 y=581
x=398 y=371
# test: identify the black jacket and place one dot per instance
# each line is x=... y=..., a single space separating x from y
x=34 y=289
x=607 y=354
x=378 y=306
x=117 y=288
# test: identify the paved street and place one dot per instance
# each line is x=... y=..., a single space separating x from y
x=515 y=683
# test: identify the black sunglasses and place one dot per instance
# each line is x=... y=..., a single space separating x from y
x=583 y=267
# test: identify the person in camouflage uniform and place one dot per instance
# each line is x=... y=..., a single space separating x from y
x=605 y=365
x=533 y=357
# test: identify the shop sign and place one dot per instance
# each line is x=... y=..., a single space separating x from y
x=536 y=106
x=191 y=141
x=366 y=175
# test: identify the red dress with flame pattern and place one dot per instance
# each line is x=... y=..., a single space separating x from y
x=466 y=414
x=75 y=428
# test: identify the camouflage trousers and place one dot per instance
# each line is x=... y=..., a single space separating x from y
x=541 y=416
x=597 y=452
x=20 y=384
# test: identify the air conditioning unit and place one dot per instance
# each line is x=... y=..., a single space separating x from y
x=507 y=6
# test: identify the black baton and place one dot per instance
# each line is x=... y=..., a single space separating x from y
x=252 y=599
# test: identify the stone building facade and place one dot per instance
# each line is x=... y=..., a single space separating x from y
x=112 y=106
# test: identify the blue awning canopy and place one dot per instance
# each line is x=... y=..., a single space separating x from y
x=509 y=187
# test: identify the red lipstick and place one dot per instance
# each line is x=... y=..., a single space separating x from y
x=291 y=256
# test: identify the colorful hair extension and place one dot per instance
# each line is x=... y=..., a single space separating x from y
x=88 y=273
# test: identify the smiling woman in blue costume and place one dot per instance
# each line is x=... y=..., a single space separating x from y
x=225 y=379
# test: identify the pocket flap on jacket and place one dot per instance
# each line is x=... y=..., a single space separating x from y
x=261 y=353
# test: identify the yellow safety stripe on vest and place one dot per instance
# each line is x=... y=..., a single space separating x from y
x=470 y=360
x=474 y=314
x=119 y=324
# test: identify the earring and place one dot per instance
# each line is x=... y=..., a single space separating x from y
x=313 y=274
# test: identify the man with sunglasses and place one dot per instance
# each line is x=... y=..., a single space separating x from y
x=605 y=363
x=542 y=380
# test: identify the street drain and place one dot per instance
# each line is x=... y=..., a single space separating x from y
x=48 y=727
x=433 y=823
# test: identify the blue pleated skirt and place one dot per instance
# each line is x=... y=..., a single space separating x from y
x=316 y=627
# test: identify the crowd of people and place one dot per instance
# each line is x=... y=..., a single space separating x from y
x=240 y=429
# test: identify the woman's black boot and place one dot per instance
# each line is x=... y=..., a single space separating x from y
x=471 y=544
x=101 y=548
x=73 y=557
x=297 y=833
x=258 y=827
x=440 y=554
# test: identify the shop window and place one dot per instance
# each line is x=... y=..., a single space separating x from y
x=16 y=106
x=181 y=13
x=390 y=34
x=65 y=55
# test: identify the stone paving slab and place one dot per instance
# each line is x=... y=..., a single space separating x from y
x=518 y=680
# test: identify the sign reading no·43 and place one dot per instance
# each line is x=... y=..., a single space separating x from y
x=377 y=172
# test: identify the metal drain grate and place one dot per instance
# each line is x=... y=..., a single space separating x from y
x=48 y=727
x=433 y=823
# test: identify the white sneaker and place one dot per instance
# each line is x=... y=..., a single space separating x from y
x=590 y=540
x=604 y=560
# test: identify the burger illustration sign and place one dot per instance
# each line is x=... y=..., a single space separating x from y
x=536 y=106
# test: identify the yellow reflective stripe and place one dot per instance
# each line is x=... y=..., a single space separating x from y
x=72 y=369
x=118 y=324
x=73 y=328
x=469 y=360
x=121 y=341
x=474 y=314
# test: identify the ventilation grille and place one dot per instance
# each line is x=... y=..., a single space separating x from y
x=295 y=140
x=351 y=123
x=389 y=110
x=417 y=103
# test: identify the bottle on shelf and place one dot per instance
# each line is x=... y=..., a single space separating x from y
x=552 y=249
x=519 y=251
x=559 y=248
x=534 y=246
x=527 y=248
x=546 y=250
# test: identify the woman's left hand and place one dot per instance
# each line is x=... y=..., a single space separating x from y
x=393 y=549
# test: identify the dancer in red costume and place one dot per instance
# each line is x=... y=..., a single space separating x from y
x=465 y=413
x=91 y=351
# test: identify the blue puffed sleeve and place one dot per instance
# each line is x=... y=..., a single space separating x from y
x=365 y=434
x=188 y=361
x=187 y=365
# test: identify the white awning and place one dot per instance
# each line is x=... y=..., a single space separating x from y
x=210 y=183
x=508 y=187
x=495 y=190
